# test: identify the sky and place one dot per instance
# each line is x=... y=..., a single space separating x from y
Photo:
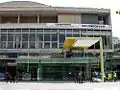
x=114 y=5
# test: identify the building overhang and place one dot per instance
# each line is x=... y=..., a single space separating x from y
x=80 y=42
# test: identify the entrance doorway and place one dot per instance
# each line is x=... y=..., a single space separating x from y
x=11 y=69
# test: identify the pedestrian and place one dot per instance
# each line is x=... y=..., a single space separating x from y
x=7 y=77
x=114 y=76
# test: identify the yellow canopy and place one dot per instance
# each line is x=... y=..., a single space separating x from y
x=80 y=42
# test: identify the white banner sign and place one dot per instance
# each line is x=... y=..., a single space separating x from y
x=82 y=26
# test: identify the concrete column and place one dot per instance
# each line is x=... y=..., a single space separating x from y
x=18 y=20
x=0 y=19
x=38 y=18
x=39 y=71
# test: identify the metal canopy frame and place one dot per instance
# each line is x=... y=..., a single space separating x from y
x=70 y=42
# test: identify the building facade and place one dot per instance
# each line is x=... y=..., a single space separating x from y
x=32 y=37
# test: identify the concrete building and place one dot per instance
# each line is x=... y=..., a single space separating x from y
x=32 y=37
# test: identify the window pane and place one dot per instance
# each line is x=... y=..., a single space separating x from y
x=39 y=45
x=17 y=37
x=3 y=45
x=32 y=29
x=39 y=37
x=10 y=45
x=25 y=45
x=75 y=35
x=24 y=37
x=69 y=35
x=46 y=37
x=18 y=30
x=17 y=45
x=40 y=30
x=10 y=37
x=10 y=30
x=47 y=45
x=54 y=45
x=61 y=38
x=25 y=30
x=54 y=37
x=32 y=45
x=3 y=30
x=54 y=30
x=32 y=37
x=3 y=37
x=47 y=30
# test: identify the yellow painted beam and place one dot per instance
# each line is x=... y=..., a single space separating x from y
x=101 y=61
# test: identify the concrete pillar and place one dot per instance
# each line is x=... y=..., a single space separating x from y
x=0 y=19
x=39 y=71
x=38 y=18
x=18 y=20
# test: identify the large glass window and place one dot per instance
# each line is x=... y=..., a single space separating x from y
x=10 y=37
x=32 y=37
x=46 y=37
x=39 y=37
x=24 y=37
x=3 y=37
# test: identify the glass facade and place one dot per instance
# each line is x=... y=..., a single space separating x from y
x=37 y=38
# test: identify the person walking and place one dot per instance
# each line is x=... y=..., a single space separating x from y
x=114 y=76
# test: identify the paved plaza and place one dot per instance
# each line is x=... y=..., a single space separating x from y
x=60 y=86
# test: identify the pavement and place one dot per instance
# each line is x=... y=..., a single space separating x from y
x=60 y=86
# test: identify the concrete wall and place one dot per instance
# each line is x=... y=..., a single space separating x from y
x=67 y=18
